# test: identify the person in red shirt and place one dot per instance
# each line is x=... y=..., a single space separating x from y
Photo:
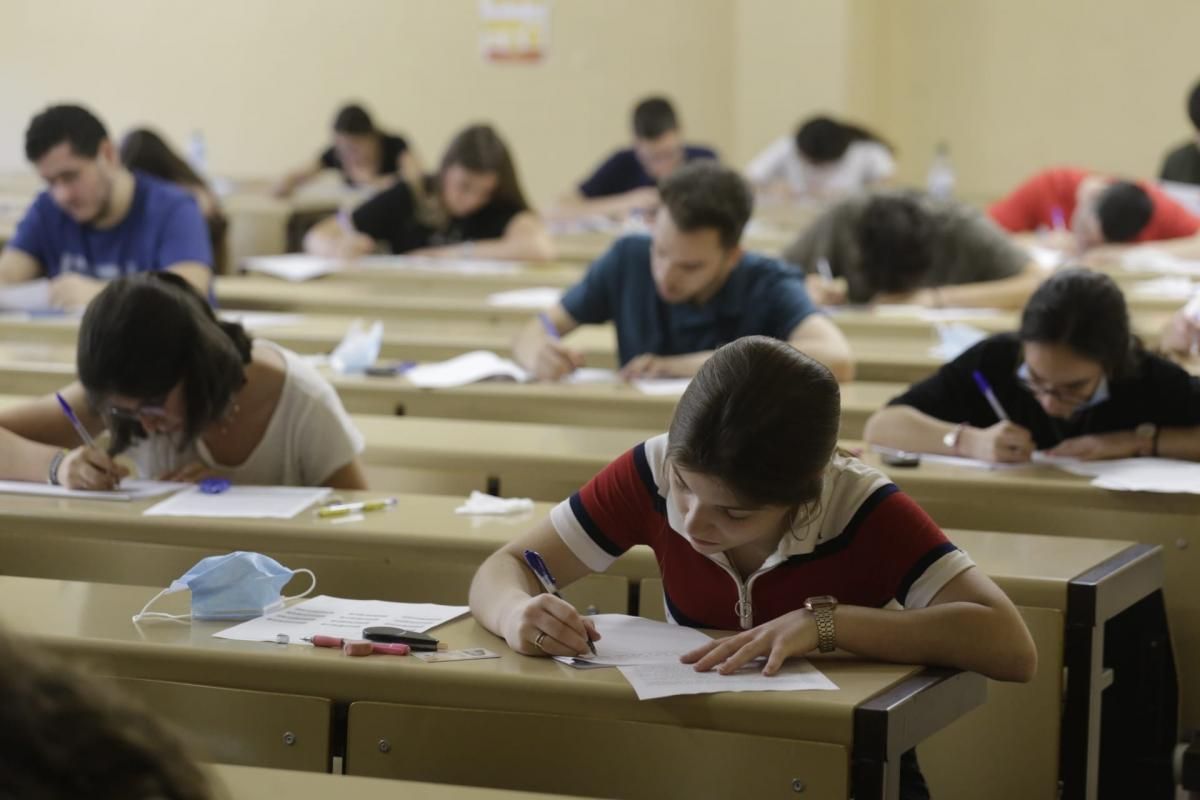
x=1097 y=210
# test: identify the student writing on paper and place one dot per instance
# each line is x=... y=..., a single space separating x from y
x=900 y=246
x=690 y=288
x=474 y=207
x=145 y=151
x=626 y=181
x=1073 y=381
x=97 y=220
x=78 y=468
x=365 y=155
x=1094 y=212
x=761 y=526
x=1183 y=163
x=186 y=395
x=69 y=734
x=825 y=158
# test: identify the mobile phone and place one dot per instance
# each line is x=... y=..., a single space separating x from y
x=390 y=370
x=901 y=458
x=383 y=633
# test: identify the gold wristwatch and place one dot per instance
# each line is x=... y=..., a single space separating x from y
x=822 y=608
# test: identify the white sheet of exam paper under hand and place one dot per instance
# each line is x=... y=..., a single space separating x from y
x=28 y=296
x=335 y=616
x=534 y=297
x=130 y=489
x=296 y=267
x=637 y=640
x=478 y=365
x=1140 y=474
x=651 y=681
x=252 y=502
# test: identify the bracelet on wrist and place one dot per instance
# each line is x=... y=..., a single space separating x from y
x=55 y=463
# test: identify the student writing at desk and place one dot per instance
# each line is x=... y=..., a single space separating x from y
x=761 y=526
x=365 y=155
x=905 y=247
x=1183 y=163
x=186 y=396
x=1073 y=381
x=473 y=207
x=684 y=292
x=824 y=159
x=1095 y=214
x=625 y=182
x=98 y=220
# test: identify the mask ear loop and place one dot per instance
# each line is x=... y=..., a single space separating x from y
x=144 y=614
x=307 y=591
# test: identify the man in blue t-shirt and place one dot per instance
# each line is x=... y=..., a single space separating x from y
x=680 y=295
x=627 y=181
x=97 y=220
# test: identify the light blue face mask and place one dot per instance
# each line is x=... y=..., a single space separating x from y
x=237 y=585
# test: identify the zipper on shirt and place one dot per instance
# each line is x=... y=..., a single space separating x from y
x=744 y=607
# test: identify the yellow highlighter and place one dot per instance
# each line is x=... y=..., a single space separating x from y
x=342 y=509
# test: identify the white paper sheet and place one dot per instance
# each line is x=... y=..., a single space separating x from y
x=130 y=489
x=652 y=681
x=627 y=640
x=335 y=616
x=936 y=314
x=937 y=458
x=482 y=504
x=29 y=296
x=590 y=376
x=1140 y=474
x=533 y=297
x=1147 y=258
x=263 y=320
x=445 y=266
x=252 y=502
x=468 y=368
x=956 y=338
x=293 y=266
x=673 y=387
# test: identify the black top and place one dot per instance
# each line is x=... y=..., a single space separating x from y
x=1182 y=164
x=390 y=149
x=1158 y=391
x=391 y=216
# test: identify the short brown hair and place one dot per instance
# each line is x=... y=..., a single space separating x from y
x=68 y=735
x=705 y=194
x=762 y=418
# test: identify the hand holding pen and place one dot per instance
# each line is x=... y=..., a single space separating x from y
x=87 y=467
x=553 y=360
x=1004 y=442
x=538 y=638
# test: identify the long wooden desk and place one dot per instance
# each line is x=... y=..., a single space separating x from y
x=407 y=719
x=256 y=783
x=422 y=551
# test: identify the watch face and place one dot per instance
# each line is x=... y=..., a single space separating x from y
x=821 y=600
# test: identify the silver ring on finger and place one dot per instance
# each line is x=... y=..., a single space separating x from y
x=537 y=642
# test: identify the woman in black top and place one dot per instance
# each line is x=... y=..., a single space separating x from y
x=473 y=207
x=366 y=156
x=1073 y=381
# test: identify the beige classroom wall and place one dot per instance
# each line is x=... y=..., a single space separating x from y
x=262 y=78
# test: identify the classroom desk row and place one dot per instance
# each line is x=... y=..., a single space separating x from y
x=1067 y=589
x=473 y=722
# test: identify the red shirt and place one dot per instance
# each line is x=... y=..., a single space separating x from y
x=1033 y=204
x=870 y=546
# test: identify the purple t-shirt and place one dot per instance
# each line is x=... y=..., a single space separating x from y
x=164 y=226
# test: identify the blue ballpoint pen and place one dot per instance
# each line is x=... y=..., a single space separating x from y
x=989 y=395
x=86 y=437
x=549 y=327
x=538 y=567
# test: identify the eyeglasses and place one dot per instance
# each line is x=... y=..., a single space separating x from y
x=154 y=408
x=1075 y=397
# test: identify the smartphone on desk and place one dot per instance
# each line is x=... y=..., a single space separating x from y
x=900 y=458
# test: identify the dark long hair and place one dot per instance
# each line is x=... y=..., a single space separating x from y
x=480 y=149
x=762 y=418
x=145 y=333
x=144 y=150
x=1086 y=312
x=822 y=140
x=65 y=734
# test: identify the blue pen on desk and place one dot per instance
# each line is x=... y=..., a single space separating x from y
x=548 y=325
x=989 y=395
x=75 y=423
x=537 y=566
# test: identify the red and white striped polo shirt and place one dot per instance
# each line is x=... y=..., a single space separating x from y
x=869 y=544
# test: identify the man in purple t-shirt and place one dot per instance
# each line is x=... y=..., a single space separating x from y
x=97 y=220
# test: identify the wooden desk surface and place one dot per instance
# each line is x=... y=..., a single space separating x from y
x=92 y=621
x=256 y=783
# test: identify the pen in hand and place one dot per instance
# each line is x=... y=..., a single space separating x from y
x=538 y=566
x=84 y=436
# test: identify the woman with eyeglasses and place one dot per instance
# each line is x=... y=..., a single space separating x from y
x=1073 y=381
x=186 y=396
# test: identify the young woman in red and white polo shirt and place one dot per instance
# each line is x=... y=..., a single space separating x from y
x=760 y=525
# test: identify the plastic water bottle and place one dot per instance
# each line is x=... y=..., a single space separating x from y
x=197 y=152
x=940 y=181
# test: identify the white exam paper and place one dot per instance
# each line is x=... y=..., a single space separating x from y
x=28 y=296
x=626 y=640
x=955 y=339
x=651 y=681
x=468 y=368
x=254 y=502
x=534 y=297
x=1140 y=474
x=335 y=616
x=672 y=387
x=293 y=266
x=130 y=489
x=263 y=320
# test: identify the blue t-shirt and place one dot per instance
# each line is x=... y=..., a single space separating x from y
x=761 y=297
x=622 y=172
x=163 y=227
